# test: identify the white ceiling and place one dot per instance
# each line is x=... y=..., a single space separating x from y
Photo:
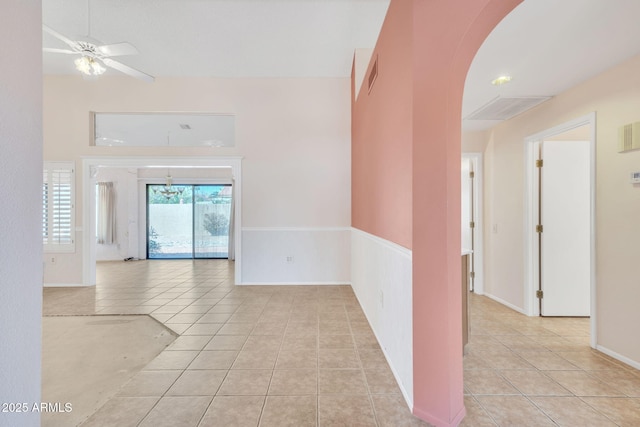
x=222 y=38
x=547 y=46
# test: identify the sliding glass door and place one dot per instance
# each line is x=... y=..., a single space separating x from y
x=211 y=221
x=188 y=221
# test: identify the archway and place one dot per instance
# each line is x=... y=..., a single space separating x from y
x=447 y=35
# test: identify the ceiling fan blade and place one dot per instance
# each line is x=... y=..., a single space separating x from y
x=52 y=50
x=128 y=70
x=59 y=36
x=117 y=49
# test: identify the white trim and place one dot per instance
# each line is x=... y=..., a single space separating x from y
x=619 y=357
x=296 y=228
x=295 y=283
x=62 y=285
x=508 y=304
x=478 y=163
x=393 y=246
x=89 y=164
x=187 y=181
x=530 y=247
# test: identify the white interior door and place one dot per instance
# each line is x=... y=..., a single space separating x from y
x=566 y=219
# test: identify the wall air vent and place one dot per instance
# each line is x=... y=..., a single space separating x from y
x=629 y=137
x=506 y=108
x=373 y=74
x=184 y=126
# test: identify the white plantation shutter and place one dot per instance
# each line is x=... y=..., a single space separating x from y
x=58 y=207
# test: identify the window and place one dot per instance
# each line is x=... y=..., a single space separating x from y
x=58 y=197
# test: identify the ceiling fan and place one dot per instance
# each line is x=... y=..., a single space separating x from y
x=92 y=56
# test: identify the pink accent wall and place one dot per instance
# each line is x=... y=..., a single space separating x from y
x=381 y=137
x=406 y=137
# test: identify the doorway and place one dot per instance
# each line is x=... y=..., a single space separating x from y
x=190 y=222
x=560 y=219
x=90 y=167
x=471 y=215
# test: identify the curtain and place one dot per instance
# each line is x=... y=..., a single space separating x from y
x=106 y=226
x=232 y=213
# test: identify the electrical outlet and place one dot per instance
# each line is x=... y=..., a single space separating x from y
x=52 y=260
x=289 y=260
x=495 y=228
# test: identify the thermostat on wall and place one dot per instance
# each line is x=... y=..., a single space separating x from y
x=635 y=177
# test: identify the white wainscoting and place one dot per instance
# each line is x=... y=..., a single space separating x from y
x=381 y=278
x=296 y=256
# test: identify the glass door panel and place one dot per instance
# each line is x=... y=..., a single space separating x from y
x=169 y=221
x=211 y=219
x=188 y=221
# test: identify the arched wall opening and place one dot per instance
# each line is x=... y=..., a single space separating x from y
x=423 y=54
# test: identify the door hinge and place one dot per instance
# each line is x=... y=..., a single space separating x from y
x=472 y=174
x=539 y=163
x=538 y=228
x=539 y=294
x=472 y=224
x=472 y=274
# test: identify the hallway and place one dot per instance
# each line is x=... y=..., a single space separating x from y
x=534 y=371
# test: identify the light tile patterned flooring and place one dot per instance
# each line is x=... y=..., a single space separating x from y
x=305 y=355
x=531 y=371
x=245 y=355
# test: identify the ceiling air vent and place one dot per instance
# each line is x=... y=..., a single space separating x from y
x=506 y=108
x=629 y=137
x=373 y=74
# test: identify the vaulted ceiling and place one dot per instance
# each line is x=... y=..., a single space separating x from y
x=547 y=46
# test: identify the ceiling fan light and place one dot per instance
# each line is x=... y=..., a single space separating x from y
x=89 y=66
x=97 y=68
x=83 y=65
x=500 y=80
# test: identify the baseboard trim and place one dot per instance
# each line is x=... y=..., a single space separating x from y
x=63 y=285
x=506 y=303
x=293 y=283
x=619 y=357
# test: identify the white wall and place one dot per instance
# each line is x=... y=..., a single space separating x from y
x=296 y=255
x=381 y=277
x=615 y=97
x=293 y=134
x=21 y=208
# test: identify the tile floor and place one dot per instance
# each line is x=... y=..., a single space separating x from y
x=530 y=371
x=305 y=355
x=245 y=356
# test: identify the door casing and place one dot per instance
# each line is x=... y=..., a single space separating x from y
x=530 y=215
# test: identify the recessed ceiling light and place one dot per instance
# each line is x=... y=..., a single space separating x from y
x=500 y=80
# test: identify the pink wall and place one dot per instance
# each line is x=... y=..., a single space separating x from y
x=419 y=103
x=381 y=137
